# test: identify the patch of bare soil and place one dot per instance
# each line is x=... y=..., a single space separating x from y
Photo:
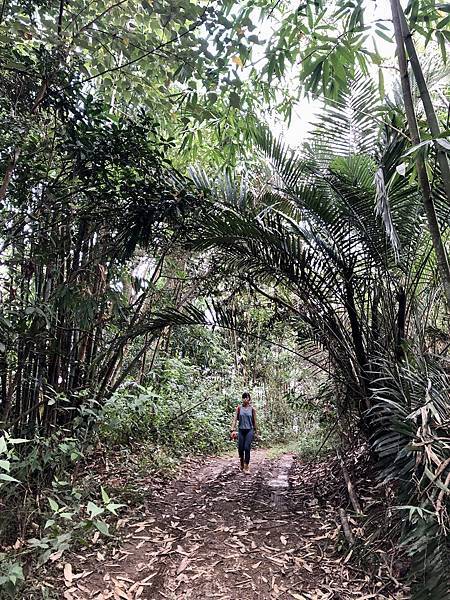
x=216 y=532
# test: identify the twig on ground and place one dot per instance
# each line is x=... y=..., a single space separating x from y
x=350 y=487
x=346 y=527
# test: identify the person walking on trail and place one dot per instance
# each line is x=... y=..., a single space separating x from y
x=245 y=418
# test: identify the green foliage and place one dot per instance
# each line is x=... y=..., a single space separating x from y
x=308 y=423
x=127 y=416
x=315 y=442
x=11 y=575
x=41 y=459
x=321 y=238
x=92 y=158
x=8 y=458
x=308 y=444
x=327 y=45
x=70 y=520
x=410 y=420
x=185 y=414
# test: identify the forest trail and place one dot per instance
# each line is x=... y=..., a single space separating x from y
x=216 y=532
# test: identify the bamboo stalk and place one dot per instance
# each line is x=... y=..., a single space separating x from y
x=430 y=210
x=350 y=488
x=430 y=113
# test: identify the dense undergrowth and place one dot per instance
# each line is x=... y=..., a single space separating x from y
x=47 y=507
x=55 y=497
x=60 y=498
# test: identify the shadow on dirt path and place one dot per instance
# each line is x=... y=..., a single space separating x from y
x=219 y=533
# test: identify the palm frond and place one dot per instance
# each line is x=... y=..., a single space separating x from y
x=410 y=421
x=350 y=125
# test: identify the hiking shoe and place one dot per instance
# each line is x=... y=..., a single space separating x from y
x=246 y=469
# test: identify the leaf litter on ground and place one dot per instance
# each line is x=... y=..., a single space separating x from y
x=217 y=533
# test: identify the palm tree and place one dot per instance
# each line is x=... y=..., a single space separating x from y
x=332 y=235
x=337 y=236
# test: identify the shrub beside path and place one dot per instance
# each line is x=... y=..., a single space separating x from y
x=218 y=533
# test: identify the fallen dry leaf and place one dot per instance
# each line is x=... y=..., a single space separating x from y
x=121 y=594
x=183 y=564
x=68 y=574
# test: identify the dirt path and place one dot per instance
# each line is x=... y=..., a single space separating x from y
x=219 y=533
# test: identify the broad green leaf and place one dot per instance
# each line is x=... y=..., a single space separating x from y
x=49 y=523
x=94 y=510
x=443 y=23
x=113 y=507
x=102 y=527
x=383 y=36
x=53 y=505
x=67 y=515
x=418 y=147
x=5 y=477
x=442 y=45
x=105 y=497
x=17 y=66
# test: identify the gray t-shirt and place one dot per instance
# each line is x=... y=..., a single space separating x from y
x=245 y=417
